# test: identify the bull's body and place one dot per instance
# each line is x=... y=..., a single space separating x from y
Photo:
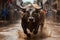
x=37 y=18
x=30 y=25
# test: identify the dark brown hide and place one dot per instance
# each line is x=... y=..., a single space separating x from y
x=32 y=26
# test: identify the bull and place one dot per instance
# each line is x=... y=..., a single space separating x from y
x=32 y=19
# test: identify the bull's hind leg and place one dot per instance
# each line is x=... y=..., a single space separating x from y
x=42 y=18
x=25 y=31
x=42 y=25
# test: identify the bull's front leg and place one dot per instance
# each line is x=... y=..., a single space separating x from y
x=25 y=31
x=36 y=29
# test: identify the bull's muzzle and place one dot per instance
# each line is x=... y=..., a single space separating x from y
x=31 y=19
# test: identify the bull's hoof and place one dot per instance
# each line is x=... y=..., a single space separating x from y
x=35 y=32
x=28 y=35
x=31 y=30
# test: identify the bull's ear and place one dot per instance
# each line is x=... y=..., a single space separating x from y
x=21 y=14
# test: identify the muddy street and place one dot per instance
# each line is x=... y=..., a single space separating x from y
x=51 y=31
x=32 y=14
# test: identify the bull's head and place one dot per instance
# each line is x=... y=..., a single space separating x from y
x=33 y=14
x=30 y=13
x=31 y=17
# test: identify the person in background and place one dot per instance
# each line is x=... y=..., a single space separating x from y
x=4 y=2
x=4 y=13
x=10 y=3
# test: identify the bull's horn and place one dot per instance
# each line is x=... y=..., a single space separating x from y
x=22 y=7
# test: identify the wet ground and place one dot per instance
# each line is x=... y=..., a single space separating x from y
x=51 y=31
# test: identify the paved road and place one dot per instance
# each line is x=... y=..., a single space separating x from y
x=14 y=32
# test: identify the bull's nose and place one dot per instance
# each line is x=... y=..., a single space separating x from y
x=30 y=19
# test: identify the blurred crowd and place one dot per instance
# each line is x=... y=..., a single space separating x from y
x=9 y=10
